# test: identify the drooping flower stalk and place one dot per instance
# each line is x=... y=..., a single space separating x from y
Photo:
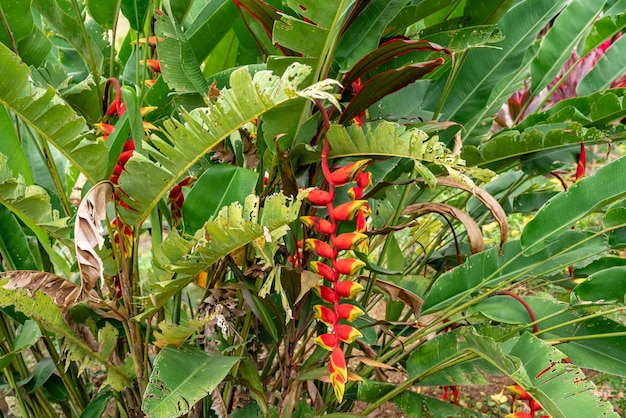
x=335 y=266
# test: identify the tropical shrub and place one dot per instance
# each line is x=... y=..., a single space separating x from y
x=269 y=208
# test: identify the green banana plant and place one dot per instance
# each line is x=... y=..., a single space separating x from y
x=256 y=208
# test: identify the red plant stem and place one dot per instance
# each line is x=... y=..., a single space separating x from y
x=533 y=318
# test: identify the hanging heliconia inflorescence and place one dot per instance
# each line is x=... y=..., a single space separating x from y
x=336 y=267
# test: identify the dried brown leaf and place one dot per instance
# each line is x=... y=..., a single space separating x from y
x=88 y=233
x=474 y=233
x=487 y=199
x=63 y=292
x=399 y=293
x=371 y=362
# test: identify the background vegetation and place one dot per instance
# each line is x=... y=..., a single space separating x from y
x=302 y=208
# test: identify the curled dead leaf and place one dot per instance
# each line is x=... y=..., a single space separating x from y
x=474 y=233
x=63 y=292
x=88 y=233
x=487 y=199
x=398 y=293
x=373 y=363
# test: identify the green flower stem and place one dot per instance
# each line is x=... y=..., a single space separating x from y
x=56 y=179
x=584 y=337
x=580 y=319
x=8 y=373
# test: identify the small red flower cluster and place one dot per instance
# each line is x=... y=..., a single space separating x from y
x=176 y=198
x=335 y=267
x=520 y=394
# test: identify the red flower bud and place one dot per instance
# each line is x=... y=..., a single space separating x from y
x=129 y=145
x=321 y=248
x=347 y=333
x=361 y=222
x=338 y=363
x=348 y=240
x=518 y=392
x=327 y=341
x=321 y=226
x=347 y=289
x=155 y=65
x=347 y=211
x=325 y=314
x=105 y=129
x=319 y=197
x=349 y=266
x=124 y=157
x=355 y=193
x=364 y=179
x=349 y=312
x=346 y=174
x=324 y=270
x=327 y=294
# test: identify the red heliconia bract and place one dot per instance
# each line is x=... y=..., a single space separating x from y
x=327 y=341
x=349 y=312
x=346 y=174
x=319 y=197
x=348 y=240
x=327 y=294
x=319 y=225
x=347 y=289
x=322 y=249
x=325 y=314
x=349 y=266
x=347 y=333
x=347 y=211
x=324 y=270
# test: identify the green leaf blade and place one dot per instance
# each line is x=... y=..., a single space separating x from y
x=182 y=376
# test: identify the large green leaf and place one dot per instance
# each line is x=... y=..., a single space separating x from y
x=210 y=26
x=180 y=377
x=483 y=68
x=103 y=12
x=236 y=226
x=47 y=115
x=488 y=269
x=179 y=65
x=135 y=11
x=514 y=144
x=11 y=146
x=67 y=21
x=14 y=248
x=611 y=66
x=604 y=353
x=604 y=286
x=23 y=36
x=203 y=202
x=556 y=47
x=560 y=387
x=145 y=181
x=414 y=404
x=560 y=213
x=31 y=204
x=364 y=33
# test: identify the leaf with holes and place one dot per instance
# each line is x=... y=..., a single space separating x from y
x=180 y=377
